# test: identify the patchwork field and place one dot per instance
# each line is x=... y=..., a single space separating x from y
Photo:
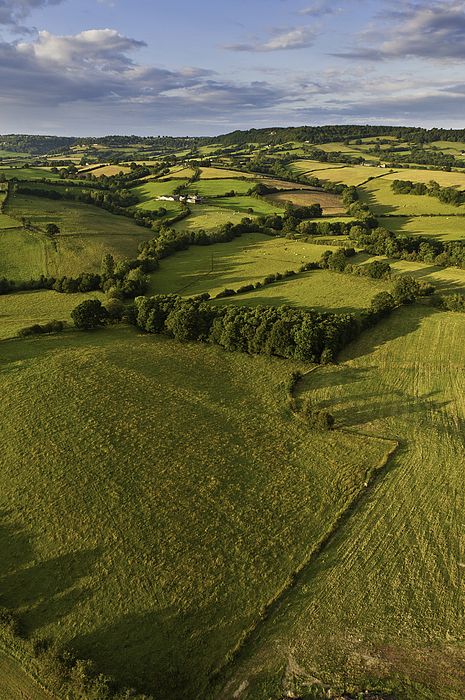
x=383 y=603
x=242 y=261
x=351 y=175
x=208 y=188
x=97 y=555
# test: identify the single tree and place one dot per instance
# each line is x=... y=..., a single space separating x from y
x=89 y=314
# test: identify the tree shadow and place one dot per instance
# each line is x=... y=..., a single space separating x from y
x=41 y=592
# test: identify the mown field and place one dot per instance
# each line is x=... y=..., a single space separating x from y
x=98 y=555
x=242 y=261
x=330 y=203
x=15 y=684
x=351 y=174
x=382 y=606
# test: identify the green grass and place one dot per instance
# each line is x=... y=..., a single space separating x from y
x=309 y=166
x=382 y=606
x=382 y=200
x=153 y=550
x=24 y=254
x=16 y=684
x=208 y=188
x=445 y=228
x=243 y=204
x=150 y=191
x=87 y=234
x=352 y=174
x=27 y=308
x=28 y=173
x=319 y=289
x=445 y=179
x=241 y=261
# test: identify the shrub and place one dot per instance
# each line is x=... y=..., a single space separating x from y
x=89 y=314
x=317 y=418
x=225 y=293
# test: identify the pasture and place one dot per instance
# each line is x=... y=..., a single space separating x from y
x=352 y=174
x=23 y=254
x=110 y=170
x=382 y=605
x=445 y=228
x=21 y=173
x=220 y=173
x=241 y=261
x=154 y=551
x=214 y=188
x=382 y=200
x=27 y=308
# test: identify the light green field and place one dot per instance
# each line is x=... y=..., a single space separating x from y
x=207 y=188
x=208 y=217
x=447 y=279
x=149 y=192
x=242 y=204
x=24 y=254
x=27 y=308
x=241 y=261
x=382 y=605
x=87 y=234
x=309 y=166
x=445 y=228
x=319 y=289
x=352 y=174
x=443 y=178
x=153 y=551
x=382 y=200
x=451 y=147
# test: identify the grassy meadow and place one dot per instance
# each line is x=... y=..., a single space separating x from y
x=242 y=261
x=330 y=203
x=444 y=228
x=97 y=555
x=382 y=605
x=382 y=200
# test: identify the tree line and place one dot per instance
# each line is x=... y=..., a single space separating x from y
x=447 y=195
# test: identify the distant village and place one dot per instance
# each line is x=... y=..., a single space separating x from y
x=186 y=199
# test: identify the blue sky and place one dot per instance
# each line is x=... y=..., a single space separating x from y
x=93 y=67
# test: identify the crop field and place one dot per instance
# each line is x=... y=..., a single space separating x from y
x=330 y=203
x=322 y=290
x=445 y=228
x=99 y=557
x=26 y=308
x=384 y=600
x=241 y=261
x=382 y=200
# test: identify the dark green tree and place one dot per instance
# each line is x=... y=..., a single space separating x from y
x=89 y=314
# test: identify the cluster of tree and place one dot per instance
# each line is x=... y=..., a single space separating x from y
x=41 y=329
x=269 y=279
x=59 y=669
x=380 y=241
x=447 y=195
x=326 y=228
x=333 y=156
x=305 y=335
x=451 y=302
x=422 y=156
x=338 y=261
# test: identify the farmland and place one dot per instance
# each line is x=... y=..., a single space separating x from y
x=125 y=578
x=172 y=510
x=386 y=595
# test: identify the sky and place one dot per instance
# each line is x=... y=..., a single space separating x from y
x=146 y=67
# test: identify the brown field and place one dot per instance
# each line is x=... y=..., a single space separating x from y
x=331 y=203
x=110 y=170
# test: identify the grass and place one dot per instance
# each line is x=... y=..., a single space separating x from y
x=208 y=188
x=16 y=684
x=208 y=217
x=319 y=289
x=448 y=280
x=220 y=173
x=150 y=191
x=23 y=254
x=110 y=170
x=27 y=308
x=352 y=174
x=382 y=606
x=87 y=234
x=445 y=228
x=28 y=173
x=242 y=261
x=242 y=204
x=443 y=178
x=153 y=551
x=382 y=200
x=309 y=166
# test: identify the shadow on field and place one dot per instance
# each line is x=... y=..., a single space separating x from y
x=154 y=652
x=42 y=592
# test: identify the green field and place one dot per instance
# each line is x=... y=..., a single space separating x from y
x=87 y=234
x=443 y=178
x=383 y=603
x=99 y=556
x=352 y=174
x=24 y=255
x=27 y=308
x=15 y=684
x=208 y=188
x=242 y=261
x=445 y=228
x=319 y=289
x=382 y=200
x=27 y=173
x=149 y=192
